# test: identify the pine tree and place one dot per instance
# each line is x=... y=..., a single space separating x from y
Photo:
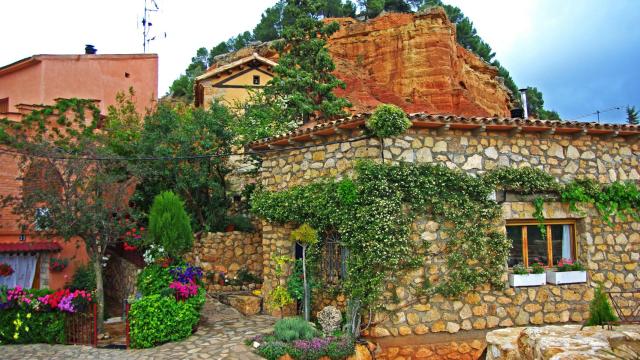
x=304 y=75
x=169 y=225
x=600 y=311
x=632 y=115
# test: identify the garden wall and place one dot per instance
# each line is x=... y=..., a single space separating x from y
x=227 y=252
x=610 y=253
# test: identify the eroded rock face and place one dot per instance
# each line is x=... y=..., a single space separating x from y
x=410 y=60
x=562 y=342
x=414 y=61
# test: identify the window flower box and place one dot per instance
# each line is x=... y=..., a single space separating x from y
x=518 y=280
x=566 y=277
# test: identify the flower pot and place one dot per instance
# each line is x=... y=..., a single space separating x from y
x=230 y=228
x=516 y=280
x=566 y=277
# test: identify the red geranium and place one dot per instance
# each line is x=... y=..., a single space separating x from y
x=5 y=269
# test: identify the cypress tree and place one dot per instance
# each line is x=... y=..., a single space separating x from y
x=169 y=225
x=600 y=311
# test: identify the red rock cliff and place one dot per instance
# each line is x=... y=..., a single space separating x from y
x=411 y=60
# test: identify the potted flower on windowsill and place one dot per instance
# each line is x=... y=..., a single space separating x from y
x=567 y=272
x=522 y=277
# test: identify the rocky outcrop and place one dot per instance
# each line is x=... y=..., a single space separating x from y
x=410 y=60
x=414 y=61
x=563 y=342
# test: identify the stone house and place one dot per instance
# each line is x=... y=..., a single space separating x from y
x=565 y=149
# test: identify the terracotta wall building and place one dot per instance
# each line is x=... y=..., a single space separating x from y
x=36 y=82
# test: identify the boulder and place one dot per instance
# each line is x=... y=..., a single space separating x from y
x=246 y=304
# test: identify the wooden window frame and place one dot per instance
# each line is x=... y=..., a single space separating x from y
x=547 y=223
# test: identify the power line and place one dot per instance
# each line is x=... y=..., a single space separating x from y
x=598 y=112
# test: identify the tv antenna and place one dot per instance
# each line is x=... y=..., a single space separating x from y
x=598 y=112
x=150 y=6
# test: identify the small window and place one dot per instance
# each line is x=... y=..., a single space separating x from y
x=43 y=219
x=256 y=79
x=333 y=262
x=4 y=105
x=530 y=245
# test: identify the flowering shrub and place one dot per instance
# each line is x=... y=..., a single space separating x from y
x=5 y=269
x=300 y=340
x=76 y=301
x=154 y=253
x=569 y=265
x=186 y=274
x=184 y=291
x=57 y=265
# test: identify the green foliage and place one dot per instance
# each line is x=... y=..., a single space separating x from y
x=154 y=279
x=244 y=276
x=615 y=199
x=632 y=115
x=538 y=214
x=600 y=311
x=304 y=77
x=157 y=319
x=279 y=297
x=20 y=326
x=241 y=223
x=295 y=281
x=201 y=183
x=84 y=278
x=169 y=225
x=304 y=235
x=535 y=105
x=294 y=328
x=519 y=269
x=273 y=350
x=537 y=268
x=388 y=120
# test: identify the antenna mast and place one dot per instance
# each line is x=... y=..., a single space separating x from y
x=150 y=6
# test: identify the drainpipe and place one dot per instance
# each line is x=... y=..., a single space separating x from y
x=523 y=99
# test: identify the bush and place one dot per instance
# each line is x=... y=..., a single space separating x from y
x=241 y=223
x=156 y=319
x=84 y=278
x=273 y=350
x=388 y=120
x=600 y=311
x=169 y=225
x=31 y=327
x=154 y=279
x=294 y=328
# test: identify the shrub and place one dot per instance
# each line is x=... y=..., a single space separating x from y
x=169 y=225
x=279 y=297
x=84 y=278
x=157 y=319
x=22 y=326
x=241 y=223
x=600 y=311
x=388 y=120
x=154 y=279
x=273 y=350
x=294 y=328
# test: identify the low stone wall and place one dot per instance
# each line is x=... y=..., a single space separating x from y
x=119 y=283
x=456 y=347
x=227 y=252
x=563 y=342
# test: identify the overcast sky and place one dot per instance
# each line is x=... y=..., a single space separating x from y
x=583 y=55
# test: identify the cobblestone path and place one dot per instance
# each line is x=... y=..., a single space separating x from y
x=220 y=336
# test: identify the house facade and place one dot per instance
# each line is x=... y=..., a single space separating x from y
x=566 y=150
x=36 y=83
x=231 y=83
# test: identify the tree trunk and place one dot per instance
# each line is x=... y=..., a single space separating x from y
x=97 y=267
x=307 y=305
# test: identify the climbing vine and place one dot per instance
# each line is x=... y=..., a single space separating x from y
x=374 y=210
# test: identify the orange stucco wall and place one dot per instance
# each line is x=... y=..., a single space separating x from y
x=98 y=77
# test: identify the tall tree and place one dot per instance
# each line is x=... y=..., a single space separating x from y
x=397 y=6
x=304 y=77
x=372 y=8
x=338 y=8
x=182 y=87
x=76 y=197
x=270 y=25
x=535 y=105
x=632 y=115
x=183 y=132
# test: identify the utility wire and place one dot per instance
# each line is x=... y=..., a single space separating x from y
x=598 y=112
x=178 y=158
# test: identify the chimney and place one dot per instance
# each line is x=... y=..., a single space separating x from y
x=90 y=49
x=523 y=99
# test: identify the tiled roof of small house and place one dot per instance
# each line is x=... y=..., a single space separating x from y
x=221 y=69
x=450 y=122
x=32 y=246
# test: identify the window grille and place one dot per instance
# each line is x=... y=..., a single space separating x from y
x=333 y=259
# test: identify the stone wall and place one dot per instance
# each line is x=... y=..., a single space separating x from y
x=610 y=253
x=119 y=283
x=227 y=252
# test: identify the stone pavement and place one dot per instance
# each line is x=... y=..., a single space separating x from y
x=221 y=335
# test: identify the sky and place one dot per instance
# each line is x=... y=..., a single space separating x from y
x=582 y=54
